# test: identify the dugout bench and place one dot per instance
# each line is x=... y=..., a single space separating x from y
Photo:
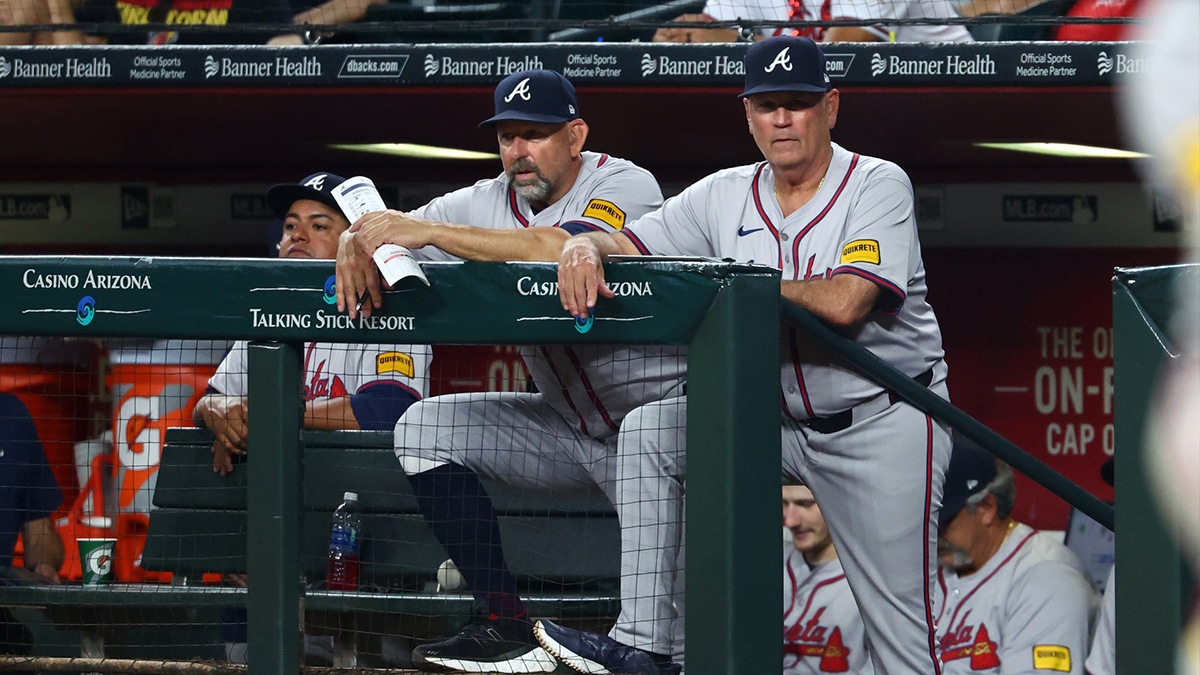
x=563 y=549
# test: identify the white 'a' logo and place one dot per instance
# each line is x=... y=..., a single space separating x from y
x=316 y=181
x=522 y=90
x=782 y=59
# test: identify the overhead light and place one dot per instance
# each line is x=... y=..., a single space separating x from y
x=1066 y=150
x=418 y=151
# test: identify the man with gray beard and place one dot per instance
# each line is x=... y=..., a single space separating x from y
x=595 y=403
x=1010 y=599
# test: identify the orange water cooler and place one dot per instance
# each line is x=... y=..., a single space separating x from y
x=155 y=385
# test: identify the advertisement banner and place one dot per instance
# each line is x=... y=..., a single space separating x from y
x=985 y=64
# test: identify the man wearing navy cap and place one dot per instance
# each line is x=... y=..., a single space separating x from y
x=1011 y=599
x=563 y=438
x=346 y=386
x=841 y=228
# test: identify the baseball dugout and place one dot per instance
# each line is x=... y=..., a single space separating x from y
x=727 y=314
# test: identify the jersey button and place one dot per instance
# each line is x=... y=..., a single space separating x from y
x=784 y=236
x=791 y=389
x=787 y=258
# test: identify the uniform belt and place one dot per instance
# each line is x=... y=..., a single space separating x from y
x=872 y=406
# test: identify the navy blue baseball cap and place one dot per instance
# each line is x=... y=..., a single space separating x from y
x=317 y=187
x=785 y=63
x=971 y=470
x=534 y=96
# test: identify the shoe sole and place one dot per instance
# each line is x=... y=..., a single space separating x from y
x=568 y=658
x=536 y=660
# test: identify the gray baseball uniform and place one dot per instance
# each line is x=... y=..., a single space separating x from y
x=822 y=628
x=1024 y=611
x=1102 y=657
x=566 y=436
x=772 y=10
x=394 y=372
x=878 y=467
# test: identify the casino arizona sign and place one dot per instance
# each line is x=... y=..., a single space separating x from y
x=31 y=279
x=527 y=286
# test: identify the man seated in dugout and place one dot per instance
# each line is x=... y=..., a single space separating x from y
x=1010 y=599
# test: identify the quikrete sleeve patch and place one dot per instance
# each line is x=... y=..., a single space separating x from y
x=1052 y=657
x=605 y=211
x=394 y=362
x=861 y=251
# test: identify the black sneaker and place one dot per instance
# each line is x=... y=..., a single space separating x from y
x=592 y=654
x=486 y=645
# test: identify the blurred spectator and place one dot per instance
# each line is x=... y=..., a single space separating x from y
x=38 y=12
x=1100 y=9
x=749 y=11
x=206 y=15
x=822 y=629
x=973 y=8
x=755 y=11
x=28 y=495
x=331 y=11
x=217 y=13
x=1009 y=599
x=884 y=11
x=1161 y=107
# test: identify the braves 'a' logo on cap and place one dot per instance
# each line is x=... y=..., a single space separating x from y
x=782 y=59
x=316 y=181
x=522 y=90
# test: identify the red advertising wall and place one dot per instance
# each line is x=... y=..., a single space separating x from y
x=1028 y=336
x=465 y=368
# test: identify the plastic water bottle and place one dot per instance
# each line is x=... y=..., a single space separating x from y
x=341 y=574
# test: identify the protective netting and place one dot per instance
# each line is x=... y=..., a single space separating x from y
x=100 y=449
x=294 y=22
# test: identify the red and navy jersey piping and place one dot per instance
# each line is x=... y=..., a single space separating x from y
x=762 y=213
x=820 y=216
x=927 y=516
x=1008 y=558
x=581 y=226
x=896 y=293
x=637 y=243
x=565 y=393
x=591 y=391
x=515 y=206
